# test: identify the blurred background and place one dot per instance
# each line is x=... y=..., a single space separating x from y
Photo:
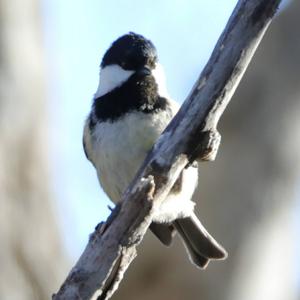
x=50 y=200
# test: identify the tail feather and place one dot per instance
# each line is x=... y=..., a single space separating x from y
x=198 y=259
x=164 y=232
x=200 y=245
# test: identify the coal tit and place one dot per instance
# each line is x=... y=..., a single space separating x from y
x=130 y=109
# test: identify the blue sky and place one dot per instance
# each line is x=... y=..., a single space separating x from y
x=77 y=33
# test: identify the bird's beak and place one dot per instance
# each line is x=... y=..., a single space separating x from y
x=144 y=71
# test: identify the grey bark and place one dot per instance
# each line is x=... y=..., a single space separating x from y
x=247 y=197
x=191 y=134
x=30 y=254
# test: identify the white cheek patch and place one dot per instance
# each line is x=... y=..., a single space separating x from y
x=111 y=76
x=159 y=75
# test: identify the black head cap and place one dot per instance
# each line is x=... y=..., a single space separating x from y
x=131 y=51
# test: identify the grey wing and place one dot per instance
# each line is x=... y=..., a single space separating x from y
x=85 y=148
x=87 y=141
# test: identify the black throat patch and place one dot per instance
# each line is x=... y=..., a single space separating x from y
x=136 y=94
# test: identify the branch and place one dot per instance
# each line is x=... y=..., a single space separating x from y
x=191 y=134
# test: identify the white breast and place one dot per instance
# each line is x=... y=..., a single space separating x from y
x=120 y=147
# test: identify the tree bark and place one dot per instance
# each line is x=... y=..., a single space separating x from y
x=191 y=134
x=249 y=197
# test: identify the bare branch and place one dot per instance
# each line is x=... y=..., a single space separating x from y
x=191 y=135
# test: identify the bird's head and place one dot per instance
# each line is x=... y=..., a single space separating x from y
x=131 y=54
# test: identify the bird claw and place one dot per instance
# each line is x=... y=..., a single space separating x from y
x=101 y=227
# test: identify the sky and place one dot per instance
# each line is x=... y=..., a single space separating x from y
x=77 y=33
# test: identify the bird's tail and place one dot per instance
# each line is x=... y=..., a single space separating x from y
x=200 y=245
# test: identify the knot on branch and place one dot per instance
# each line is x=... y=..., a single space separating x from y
x=205 y=146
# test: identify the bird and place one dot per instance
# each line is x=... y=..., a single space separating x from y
x=129 y=111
